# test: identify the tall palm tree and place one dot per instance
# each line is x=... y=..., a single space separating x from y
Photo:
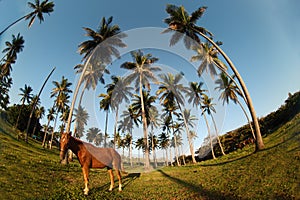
x=81 y=117
x=105 y=105
x=40 y=112
x=26 y=96
x=120 y=91
x=142 y=72
x=14 y=47
x=180 y=21
x=35 y=102
x=50 y=117
x=171 y=86
x=231 y=92
x=208 y=107
x=92 y=75
x=110 y=38
x=38 y=10
x=154 y=120
x=195 y=95
x=60 y=92
x=169 y=110
x=105 y=31
x=126 y=125
x=164 y=143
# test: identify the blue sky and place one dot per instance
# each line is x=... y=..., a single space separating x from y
x=261 y=38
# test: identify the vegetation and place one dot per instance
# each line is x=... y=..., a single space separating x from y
x=31 y=172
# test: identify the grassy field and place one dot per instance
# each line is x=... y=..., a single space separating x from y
x=31 y=172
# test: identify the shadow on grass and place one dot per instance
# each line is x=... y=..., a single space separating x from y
x=197 y=189
x=126 y=181
x=227 y=161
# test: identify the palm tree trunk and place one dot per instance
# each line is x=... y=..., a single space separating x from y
x=215 y=125
x=34 y=104
x=249 y=122
x=187 y=133
x=16 y=125
x=115 y=127
x=45 y=135
x=52 y=135
x=208 y=130
x=105 y=132
x=259 y=144
x=147 y=159
x=13 y=24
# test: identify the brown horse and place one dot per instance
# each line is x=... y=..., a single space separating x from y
x=90 y=156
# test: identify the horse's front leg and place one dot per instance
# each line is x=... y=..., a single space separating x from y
x=112 y=182
x=85 y=171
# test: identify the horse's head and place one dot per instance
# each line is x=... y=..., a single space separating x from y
x=64 y=144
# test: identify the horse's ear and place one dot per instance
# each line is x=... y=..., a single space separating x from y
x=70 y=133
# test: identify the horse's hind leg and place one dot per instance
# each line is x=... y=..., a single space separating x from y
x=85 y=171
x=120 y=179
x=112 y=182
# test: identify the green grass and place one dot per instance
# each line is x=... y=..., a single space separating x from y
x=31 y=172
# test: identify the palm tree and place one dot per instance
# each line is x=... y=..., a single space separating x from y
x=92 y=134
x=36 y=102
x=208 y=107
x=171 y=87
x=50 y=118
x=195 y=95
x=13 y=48
x=154 y=120
x=119 y=90
x=99 y=139
x=40 y=112
x=180 y=21
x=126 y=125
x=110 y=38
x=230 y=92
x=38 y=10
x=81 y=117
x=142 y=72
x=106 y=31
x=26 y=96
x=164 y=143
x=105 y=105
x=60 y=92
x=209 y=59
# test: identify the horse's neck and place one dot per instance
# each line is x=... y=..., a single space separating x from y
x=75 y=145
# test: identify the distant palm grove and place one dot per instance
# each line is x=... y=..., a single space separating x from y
x=155 y=100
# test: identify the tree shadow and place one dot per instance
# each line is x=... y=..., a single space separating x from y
x=292 y=136
x=198 y=189
x=227 y=161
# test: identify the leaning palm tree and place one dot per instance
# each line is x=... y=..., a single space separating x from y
x=181 y=22
x=164 y=143
x=231 y=92
x=108 y=38
x=142 y=72
x=38 y=10
x=208 y=107
x=26 y=96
